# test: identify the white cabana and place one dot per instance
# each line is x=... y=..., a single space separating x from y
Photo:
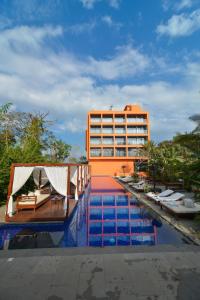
x=21 y=175
x=57 y=175
x=40 y=177
x=58 y=178
x=74 y=179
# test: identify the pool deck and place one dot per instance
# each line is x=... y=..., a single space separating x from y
x=118 y=273
x=48 y=212
x=186 y=226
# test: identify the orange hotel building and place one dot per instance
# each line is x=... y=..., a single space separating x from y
x=113 y=139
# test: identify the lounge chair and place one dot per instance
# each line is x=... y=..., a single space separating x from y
x=173 y=197
x=154 y=196
x=137 y=184
x=31 y=201
x=185 y=207
x=126 y=179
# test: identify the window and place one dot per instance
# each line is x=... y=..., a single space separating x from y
x=133 y=152
x=95 y=129
x=95 y=118
x=107 y=118
x=95 y=140
x=107 y=140
x=136 y=129
x=119 y=119
x=136 y=119
x=120 y=129
x=136 y=141
x=107 y=129
x=94 y=152
x=120 y=152
x=120 y=140
x=108 y=152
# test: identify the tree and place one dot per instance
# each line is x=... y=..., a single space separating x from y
x=26 y=138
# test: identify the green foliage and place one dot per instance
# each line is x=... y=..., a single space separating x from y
x=26 y=138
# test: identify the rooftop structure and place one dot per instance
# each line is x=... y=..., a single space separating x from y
x=114 y=138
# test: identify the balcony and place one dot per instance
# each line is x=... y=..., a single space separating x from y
x=120 y=141
x=95 y=118
x=137 y=130
x=108 y=141
x=95 y=152
x=107 y=129
x=119 y=119
x=95 y=141
x=95 y=129
x=120 y=129
x=133 y=152
x=120 y=152
x=136 y=141
x=108 y=152
x=136 y=119
x=107 y=119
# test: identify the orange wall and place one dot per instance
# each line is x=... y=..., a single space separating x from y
x=111 y=168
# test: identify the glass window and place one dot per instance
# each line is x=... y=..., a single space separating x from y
x=107 y=140
x=119 y=119
x=95 y=140
x=107 y=129
x=136 y=129
x=133 y=152
x=120 y=140
x=95 y=118
x=108 y=152
x=95 y=152
x=120 y=129
x=107 y=118
x=95 y=129
x=136 y=140
x=120 y=152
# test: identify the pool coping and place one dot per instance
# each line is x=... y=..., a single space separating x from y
x=75 y=251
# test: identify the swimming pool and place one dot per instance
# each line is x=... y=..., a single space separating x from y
x=105 y=215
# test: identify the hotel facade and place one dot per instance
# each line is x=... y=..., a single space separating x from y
x=114 y=140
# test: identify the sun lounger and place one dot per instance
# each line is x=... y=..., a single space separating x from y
x=31 y=202
x=181 y=208
x=173 y=197
x=154 y=196
x=127 y=179
x=137 y=184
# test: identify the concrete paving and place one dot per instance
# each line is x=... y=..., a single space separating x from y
x=119 y=273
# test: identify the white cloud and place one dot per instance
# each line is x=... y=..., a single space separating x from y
x=110 y=22
x=128 y=61
x=67 y=87
x=181 y=25
x=81 y=27
x=177 y=5
x=89 y=4
x=184 y=4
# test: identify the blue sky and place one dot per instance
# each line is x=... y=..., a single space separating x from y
x=68 y=57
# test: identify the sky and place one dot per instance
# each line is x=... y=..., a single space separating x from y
x=71 y=56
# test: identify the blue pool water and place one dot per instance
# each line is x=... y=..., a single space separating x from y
x=102 y=219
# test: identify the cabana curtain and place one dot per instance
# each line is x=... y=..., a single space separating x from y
x=37 y=173
x=58 y=178
x=74 y=179
x=21 y=175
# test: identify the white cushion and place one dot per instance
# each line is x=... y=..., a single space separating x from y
x=189 y=203
x=37 y=192
x=31 y=194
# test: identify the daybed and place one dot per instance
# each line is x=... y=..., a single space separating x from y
x=31 y=201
